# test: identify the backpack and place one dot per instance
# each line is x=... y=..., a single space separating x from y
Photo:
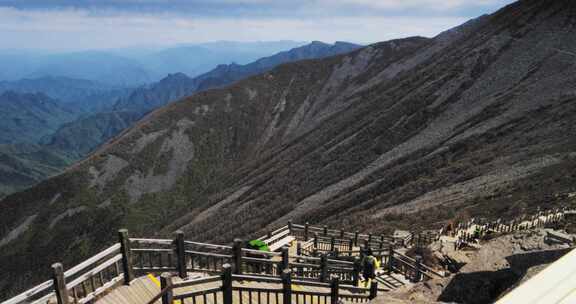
x=369 y=266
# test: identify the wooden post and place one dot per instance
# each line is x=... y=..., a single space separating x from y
x=181 y=254
x=342 y=234
x=373 y=290
x=60 y=283
x=290 y=231
x=356 y=238
x=166 y=282
x=286 y=286
x=356 y=270
x=237 y=252
x=370 y=238
x=351 y=246
x=298 y=248
x=323 y=268
x=285 y=259
x=306 y=229
x=417 y=274
x=227 y=283
x=316 y=240
x=126 y=256
x=325 y=230
x=334 y=288
x=332 y=243
x=390 y=259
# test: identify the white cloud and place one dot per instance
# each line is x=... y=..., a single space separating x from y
x=81 y=29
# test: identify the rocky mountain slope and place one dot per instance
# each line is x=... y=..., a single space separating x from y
x=80 y=137
x=103 y=111
x=404 y=133
x=497 y=267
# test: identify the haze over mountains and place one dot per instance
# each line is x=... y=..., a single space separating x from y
x=96 y=112
x=133 y=67
x=404 y=133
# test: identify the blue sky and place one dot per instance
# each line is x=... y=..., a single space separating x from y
x=89 y=24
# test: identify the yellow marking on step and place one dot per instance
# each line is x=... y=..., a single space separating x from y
x=296 y=287
x=155 y=280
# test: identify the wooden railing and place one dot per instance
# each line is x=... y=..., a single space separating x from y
x=221 y=290
x=161 y=255
x=474 y=229
x=307 y=232
x=120 y=263
x=81 y=283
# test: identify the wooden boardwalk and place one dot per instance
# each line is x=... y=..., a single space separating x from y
x=313 y=265
x=143 y=289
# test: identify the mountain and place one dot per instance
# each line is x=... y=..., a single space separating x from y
x=99 y=111
x=22 y=165
x=78 y=138
x=179 y=85
x=196 y=59
x=85 y=95
x=406 y=134
x=96 y=120
x=99 y=66
x=83 y=135
x=26 y=117
x=132 y=66
x=226 y=74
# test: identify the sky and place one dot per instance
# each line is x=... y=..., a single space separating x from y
x=105 y=24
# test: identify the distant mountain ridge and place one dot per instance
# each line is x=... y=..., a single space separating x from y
x=81 y=94
x=27 y=117
x=179 y=85
x=133 y=66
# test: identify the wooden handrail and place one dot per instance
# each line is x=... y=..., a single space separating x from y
x=30 y=293
x=209 y=254
x=151 y=241
x=254 y=251
x=208 y=245
x=108 y=251
x=166 y=294
x=94 y=271
x=196 y=281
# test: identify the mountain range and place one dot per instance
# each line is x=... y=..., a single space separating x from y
x=79 y=94
x=406 y=133
x=82 y=136
x=101 y=112
x=133 y=66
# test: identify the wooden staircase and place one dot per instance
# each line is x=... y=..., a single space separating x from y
x=328 y=273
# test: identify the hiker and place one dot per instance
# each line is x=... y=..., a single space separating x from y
x=369 y=266
x=477 y=233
